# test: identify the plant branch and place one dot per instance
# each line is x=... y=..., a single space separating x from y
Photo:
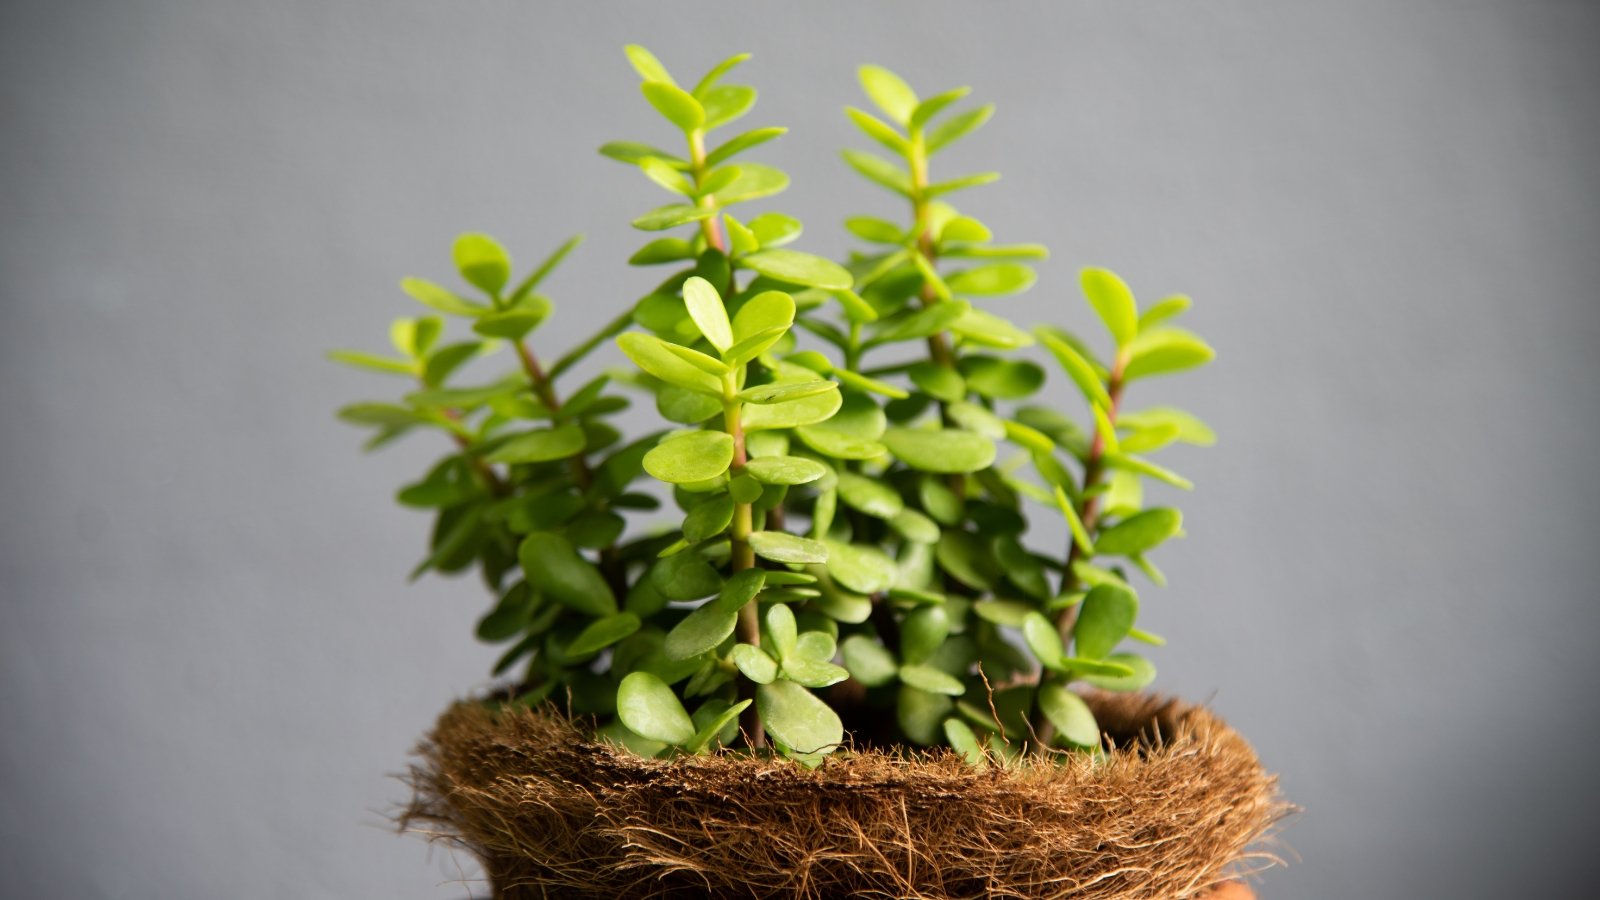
x=743 y=557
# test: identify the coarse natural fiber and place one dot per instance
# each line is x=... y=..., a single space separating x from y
x=1176 y=806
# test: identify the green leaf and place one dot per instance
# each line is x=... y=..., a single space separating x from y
x=725 y=103
x=775 y=229
x=889 y=91
x=701 y=631
x=1077 y=368
x=811 y=671
x=1144 y=672
x=645 y=63
x=961 y=739
x=938 y=381
x=1003 y=612
x=1146 y=467
x=993 y=279
x=1114 y=303
x=1071 y=716
x=957 y=127
x=785 y=470
x=940 y=502
x=869 y=495
x=432 y=295
x=921 y=715
x=1002 y=379
x=944 y=450
x=868 y=661
x=877 y=231
x=964 y=229
x=650 y=709
x=863 y=569
x=513 y=324
x=922 y=323
x=783 y=392
x=922 y=632
x=482 y=262
x=1163 y=310
x=762 y=313
x=781 y=629
x=1165 y=350
x=633 y=153
x=539 y=446
x=602 y=633
x=684 y=576
x=706 y=309
x=798 y=718
x=839 y=445
x=915 y=527
x=718 y=716
x=960 y=184
x=708 y=519
x=787 y=548
x=792 y=413
x=879 y=171
x=687 y=458
x=741 y=143
x=755 y=663
x=927 y=678
x=754 y=181
x=1190 y=429
x=798 y=268
x=878 y=130
x=653 y=355
x=373 y=362
x=667 y=176
x=555 y=569
x=671 y=216
x=741 y=240
x=1080 y=534
x=1106 y=616
x=1139 y=532
x=1043 y=639
x=986 y=329
x=932 y=106
x=675 y=104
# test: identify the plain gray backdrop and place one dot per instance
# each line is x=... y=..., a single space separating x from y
x=211 y=662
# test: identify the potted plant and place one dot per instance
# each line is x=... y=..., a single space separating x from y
x=792 y=640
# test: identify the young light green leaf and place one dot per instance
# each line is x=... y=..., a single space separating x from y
x=671 y=216
x=667 y=176
x=860 y=568
x=432 y=295
x=927 y=678
x=1165 y=350
x=878 y=130
x=960 y=184
x=662 y=250
x=785 y=470
x=554 y=565
x=1190 y=429
x=754 y=181
x=645 y=63
x=1073 y=719
x=512 y=324
x=1104 y=619
x=741 y=143
x=869 y=495
x=687 y=458
x=1138 y=533
x=927 y=109
x=675 y=104
x=792 y=413
x=868 y=661
x=839 y=445
x=775 y=229
x=1164 y=310
x=879 y=171
x=1043 y=639
x=720 y=69
x=889 y=91
x=1113 y=302
x=725 y=103
x=944 y=450
x=1003 y=379
x=706 y=309
x=1143 y=672
x=654 y=355
x=632 y=152
x=798 y=268
x=650 y=709
x=786 y=391
x=715 y=723
x=877 y=231
x=1146 y=467
x=787 y=548
x=373 y=362
x=754 y=663
x=993 y=279
x=708 y=519
x=957 y=127
x=1077 y=368
x=700 y=631
x=1080 y=534
x=482 y=262
x=962 y=740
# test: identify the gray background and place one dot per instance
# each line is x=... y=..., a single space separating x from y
x=1386 y=212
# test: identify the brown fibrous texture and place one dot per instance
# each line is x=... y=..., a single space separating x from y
x=1177 y=804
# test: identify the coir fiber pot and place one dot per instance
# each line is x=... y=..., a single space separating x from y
x=1172 y=810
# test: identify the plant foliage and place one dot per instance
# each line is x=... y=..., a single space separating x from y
x=850 y=458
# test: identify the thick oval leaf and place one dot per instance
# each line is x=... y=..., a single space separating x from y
x=764 y=311
x=725 y=103
x=927 y=678
x=645 y=63
x=868 y=495
x=1078 y=369
x=1190 y=429
x=1139 y=532
x=798 y=718
x=651 y=354
x=957 y=127
x=782 y=392
x=1003 y=612
x=915 y=527
x=792 y=413
x=650 y=709
x=992 y=279
x=921 y=715
x=922 y=632
x=700 y=631
x=942 y=450
x=671 y=216
x=602 y=633
x=441 y=299
x=961 y=739
x=889 y=91
x=787 y=548
x=1144 y=672
x=754 y=663
x=1114 y=303
x=741 y=143
x=938 y=381
x=799 y=268
x=775 y=229
x=1166 y=350
x=1071 y=716
x=677 y=105
x=754 y=181
x=687 y=458
x=662 y=250
x=863 y=569
x=785 y=470
x=1107 y=615
x=1043 y=639
x=685 y=576
x=708 y=519
x=482 y=262
x=706 y=309
x=839 y=445
x=555 y=569
x=1002 y=379
x=868 y=661
x=539 y=446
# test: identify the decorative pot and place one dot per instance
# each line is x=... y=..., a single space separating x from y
x=1173 y=808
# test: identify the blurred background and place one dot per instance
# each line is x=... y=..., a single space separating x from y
x=211 y=664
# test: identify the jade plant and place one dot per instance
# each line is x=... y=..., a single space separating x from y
x=824 y=542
